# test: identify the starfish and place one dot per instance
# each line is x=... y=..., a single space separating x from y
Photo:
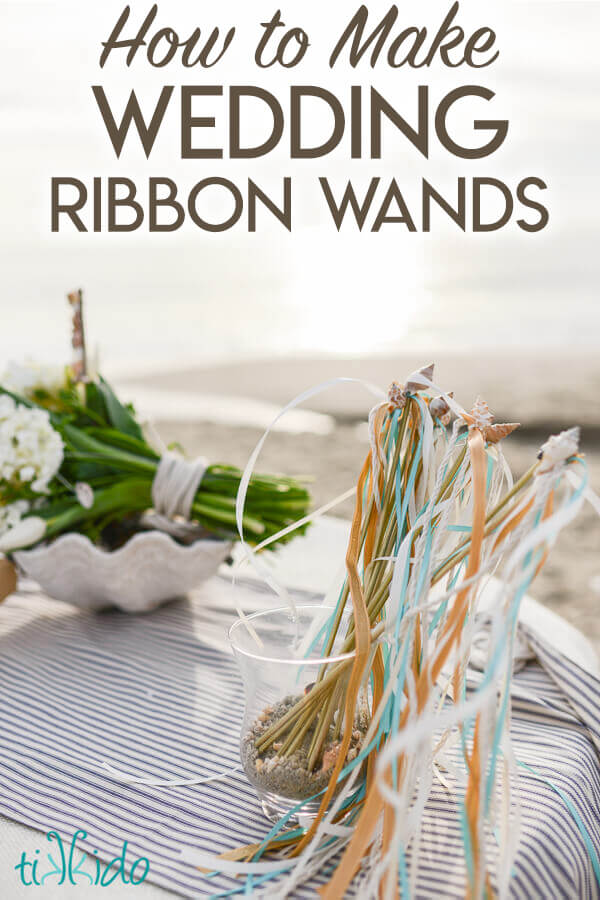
x=482 y=418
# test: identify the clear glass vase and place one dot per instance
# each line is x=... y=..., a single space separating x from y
x=281 y=656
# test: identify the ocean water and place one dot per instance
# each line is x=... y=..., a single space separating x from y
x=191 y=298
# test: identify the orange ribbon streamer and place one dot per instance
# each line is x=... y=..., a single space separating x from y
x=362 y=630
x=374 y=802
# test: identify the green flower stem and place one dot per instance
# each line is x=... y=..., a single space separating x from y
x=209 y=508
x=133 y=495
x=226 y=517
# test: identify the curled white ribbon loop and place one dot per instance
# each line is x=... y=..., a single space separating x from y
x=249 y=552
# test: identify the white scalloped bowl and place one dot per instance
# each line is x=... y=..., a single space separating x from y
x=148 y=570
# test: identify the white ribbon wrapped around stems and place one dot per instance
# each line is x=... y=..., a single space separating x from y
x=174 y=488
x=176 y=483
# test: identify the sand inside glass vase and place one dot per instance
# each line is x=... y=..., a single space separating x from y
x=282 y=662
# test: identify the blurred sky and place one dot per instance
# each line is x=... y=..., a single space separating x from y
x=170 y=300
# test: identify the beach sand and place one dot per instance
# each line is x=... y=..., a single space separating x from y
x=544 y=392
x=570 y=581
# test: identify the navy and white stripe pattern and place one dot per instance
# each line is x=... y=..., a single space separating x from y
x=159 y=696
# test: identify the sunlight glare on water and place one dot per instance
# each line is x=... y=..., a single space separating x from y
x=355 y=306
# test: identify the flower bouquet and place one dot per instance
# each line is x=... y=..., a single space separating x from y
x=78 y=478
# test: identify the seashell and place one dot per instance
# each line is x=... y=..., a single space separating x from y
x=415 y=384
x=495 y=433
x=481 y=414
x=558 y=448
x=329 y=757
x=396 y=395
x=148 y=570
x=439 y=408
x=482 y=418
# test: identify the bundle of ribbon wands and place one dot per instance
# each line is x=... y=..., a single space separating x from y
x=436 y=513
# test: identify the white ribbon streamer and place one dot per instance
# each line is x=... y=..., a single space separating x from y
x=212 y=862
x=248 y=471
x=118 y=775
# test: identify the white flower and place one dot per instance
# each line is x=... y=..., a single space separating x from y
x=27 y=532
x=31 y=377
x=7 y=406
x=31 y=451
x=10 y=515
x=84 y=494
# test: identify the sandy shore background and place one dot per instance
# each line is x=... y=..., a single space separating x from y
x=222 y=411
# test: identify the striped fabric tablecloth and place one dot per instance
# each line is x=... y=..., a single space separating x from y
x=159 y=695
